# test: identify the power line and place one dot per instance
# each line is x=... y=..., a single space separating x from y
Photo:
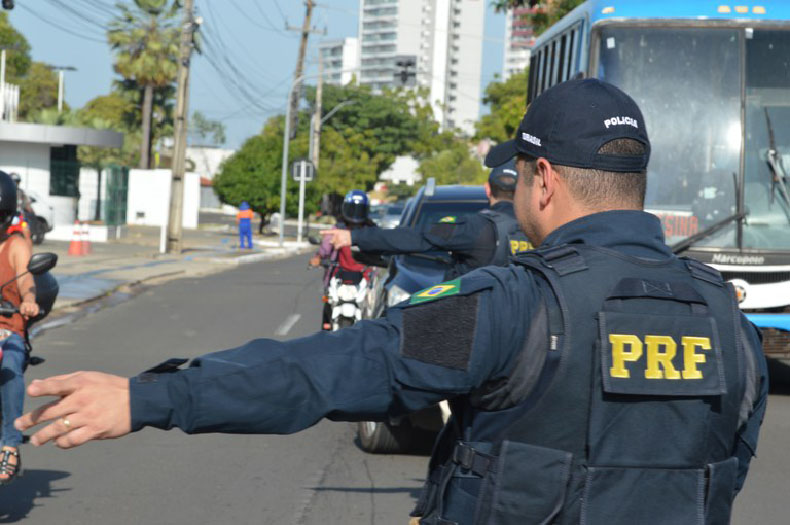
x=277 y=5
x=59 y=25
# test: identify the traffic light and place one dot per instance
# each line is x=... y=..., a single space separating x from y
x=8 y=4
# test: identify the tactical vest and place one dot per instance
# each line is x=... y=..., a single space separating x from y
x=509 y=237
x=622 y=408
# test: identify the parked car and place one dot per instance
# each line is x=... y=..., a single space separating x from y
x=392 y=214
x=405 y=275
x=41 y=221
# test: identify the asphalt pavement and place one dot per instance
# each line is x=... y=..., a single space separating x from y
x=316 y=476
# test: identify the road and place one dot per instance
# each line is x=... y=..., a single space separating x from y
x=317 y=476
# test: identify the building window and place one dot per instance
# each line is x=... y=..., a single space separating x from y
x=64 y=172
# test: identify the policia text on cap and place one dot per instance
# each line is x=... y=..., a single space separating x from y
x=598 y=379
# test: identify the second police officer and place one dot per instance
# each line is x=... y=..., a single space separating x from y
x=486 y=238
x=599 y=379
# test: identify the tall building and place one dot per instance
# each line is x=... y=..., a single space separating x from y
x=519 y=40
x=340 y=58
x=435 y=44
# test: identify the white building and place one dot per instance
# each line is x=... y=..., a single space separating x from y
x=442 y=43
x=402 y=171
x=340 y=58
x=519 y=40
x=45 y=157
x=206 y=162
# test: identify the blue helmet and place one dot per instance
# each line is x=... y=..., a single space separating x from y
x=244 y=205
x=356 y=206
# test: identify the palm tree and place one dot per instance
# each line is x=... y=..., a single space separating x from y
x=145 y=38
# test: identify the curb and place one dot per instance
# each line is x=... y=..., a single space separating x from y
x=269 y=255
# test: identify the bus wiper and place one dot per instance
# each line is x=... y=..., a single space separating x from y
x=685 y=244
x=775 y=163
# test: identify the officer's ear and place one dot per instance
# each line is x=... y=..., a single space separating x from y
x=487 y=186
x=546 y=180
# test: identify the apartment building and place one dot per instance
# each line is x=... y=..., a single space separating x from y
x=519 y=40
x=340 y=58
x=434 y=44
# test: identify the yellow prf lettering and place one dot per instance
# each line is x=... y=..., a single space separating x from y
x=664 y=359
x=620 y=355
x=513 y=247
x=691 y=358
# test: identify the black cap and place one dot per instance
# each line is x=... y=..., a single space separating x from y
x=504 y=176
x=569 y=123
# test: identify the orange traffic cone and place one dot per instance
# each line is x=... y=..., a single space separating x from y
x=86 y=240
x=75 y=247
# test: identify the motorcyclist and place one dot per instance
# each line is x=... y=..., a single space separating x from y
x=14 y=257
x=340 y=262
x=24 y=212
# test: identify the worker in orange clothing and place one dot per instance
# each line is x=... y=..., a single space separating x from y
x=244 y=220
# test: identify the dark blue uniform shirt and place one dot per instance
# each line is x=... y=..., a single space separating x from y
x=365 y=372
x=472 y=239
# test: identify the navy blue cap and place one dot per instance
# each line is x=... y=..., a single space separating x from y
x=504 y=176
x=568 y=123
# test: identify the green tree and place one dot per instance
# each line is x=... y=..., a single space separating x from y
x=144 y=38
x=253 y=173
x=545 y=14
x=454 y=165
x=202 y=127
x=38 y=90
x=118 y=113
x=508 y=102
x=17 y=48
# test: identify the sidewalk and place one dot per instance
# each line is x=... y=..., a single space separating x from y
x=134 y=259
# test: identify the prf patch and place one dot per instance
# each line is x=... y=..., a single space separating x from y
x=519 y=246
x=448 y=219
x=660 y=355
x=435 y=292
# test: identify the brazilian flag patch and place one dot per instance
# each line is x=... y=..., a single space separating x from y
x=435 y=292
x=448 y=219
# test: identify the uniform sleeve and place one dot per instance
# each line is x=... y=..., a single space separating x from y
x=389 y=242
x=755 y=401
x=372 y=370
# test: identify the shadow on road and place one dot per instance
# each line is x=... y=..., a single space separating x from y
x=779 y=377
x=413 y=492
x=19 y=498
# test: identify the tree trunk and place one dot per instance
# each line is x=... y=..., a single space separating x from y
x=97 y=216
x=145 y=145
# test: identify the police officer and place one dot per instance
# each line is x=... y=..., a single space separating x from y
x=485 y=238
x=598 y=379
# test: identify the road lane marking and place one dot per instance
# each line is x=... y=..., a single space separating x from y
x=286 y=326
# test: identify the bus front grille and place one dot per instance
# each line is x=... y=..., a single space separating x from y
x=757 y=277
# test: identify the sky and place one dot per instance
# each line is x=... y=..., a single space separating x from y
x=243 y=76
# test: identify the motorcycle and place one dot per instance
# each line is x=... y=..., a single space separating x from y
x=346 y=295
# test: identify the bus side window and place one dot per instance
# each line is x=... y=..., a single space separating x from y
x=533 y=74
x=539 y=73
x=561 y=75
x=572 y=55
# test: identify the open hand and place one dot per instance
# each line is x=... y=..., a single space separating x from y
x=92 y=406
x=340 y=238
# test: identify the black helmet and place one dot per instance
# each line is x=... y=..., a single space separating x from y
x=356 y=206
x=7 y=201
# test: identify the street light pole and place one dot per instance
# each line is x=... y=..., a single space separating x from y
x=60 y=70
x=287 y=143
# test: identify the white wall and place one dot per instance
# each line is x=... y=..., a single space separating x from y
x=31 y=162
x=149 y=198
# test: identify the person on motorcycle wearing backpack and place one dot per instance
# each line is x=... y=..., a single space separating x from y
x=356 y=207
x=24 y=212
x=15 y=254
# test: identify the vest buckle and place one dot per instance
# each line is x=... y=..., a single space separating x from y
x=464 y=456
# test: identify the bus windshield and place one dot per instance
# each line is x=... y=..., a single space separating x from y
x=687 y=83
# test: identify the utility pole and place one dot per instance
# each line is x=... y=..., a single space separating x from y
x=297 y=92
x=315 y=123
x=174 y=222
x=60 y=70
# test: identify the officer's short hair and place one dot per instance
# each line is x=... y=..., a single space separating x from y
x=500 y=194
x=596 y=188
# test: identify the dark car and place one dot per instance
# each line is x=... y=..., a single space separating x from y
x=405 y=275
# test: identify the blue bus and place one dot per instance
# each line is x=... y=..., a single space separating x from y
x=713 y=81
